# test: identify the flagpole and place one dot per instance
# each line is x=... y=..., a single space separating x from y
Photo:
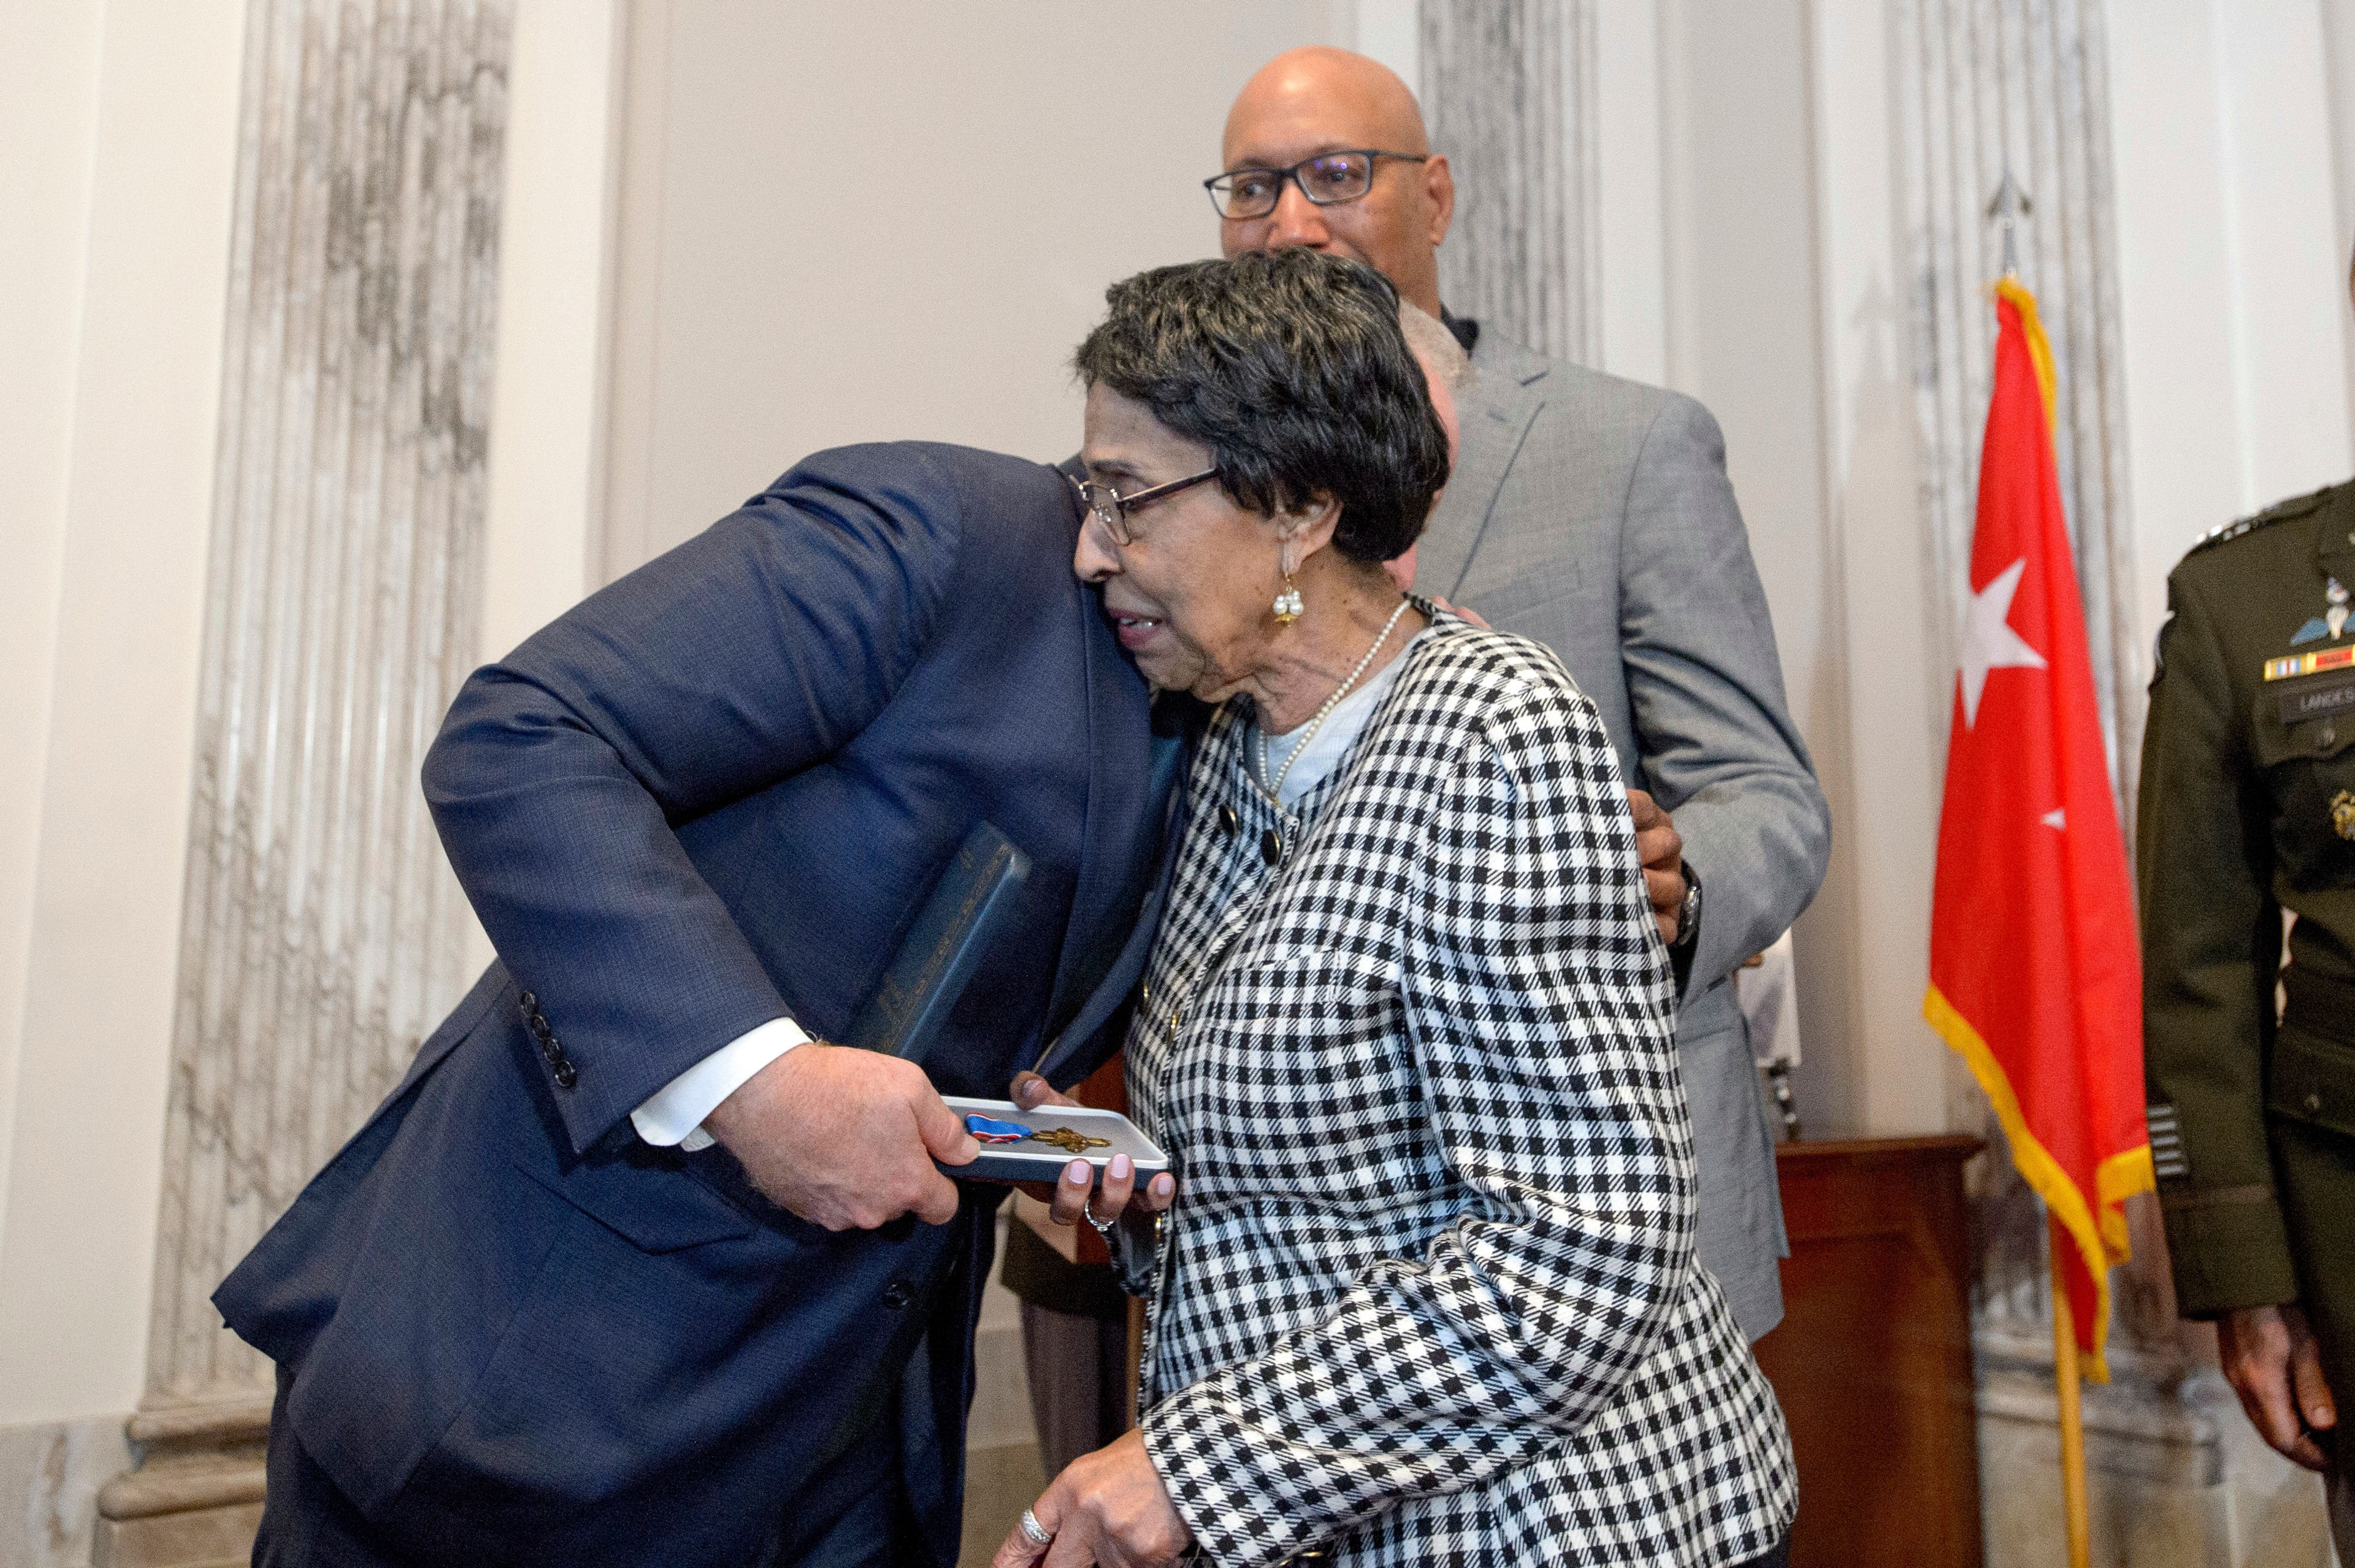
x=2072 y=1424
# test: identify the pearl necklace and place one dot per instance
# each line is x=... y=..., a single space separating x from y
x=1273 y=788
x=1270 y=846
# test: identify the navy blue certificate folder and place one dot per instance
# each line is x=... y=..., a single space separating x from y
x=967 y=910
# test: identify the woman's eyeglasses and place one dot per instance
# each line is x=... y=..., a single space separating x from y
x=1111 y=508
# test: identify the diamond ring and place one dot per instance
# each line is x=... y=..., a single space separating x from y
x=1103 y=1227
x=1040 y=1534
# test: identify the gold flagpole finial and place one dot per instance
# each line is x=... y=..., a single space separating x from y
x=2010 y=203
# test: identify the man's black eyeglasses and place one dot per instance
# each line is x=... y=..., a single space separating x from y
x=1111 y=508
x=1324 y=179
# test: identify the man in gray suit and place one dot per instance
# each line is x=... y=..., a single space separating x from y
x=1592 y=514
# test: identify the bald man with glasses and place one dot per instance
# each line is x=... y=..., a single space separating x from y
x=1594 y=515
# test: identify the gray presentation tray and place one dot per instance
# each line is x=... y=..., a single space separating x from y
x=1043 y=1162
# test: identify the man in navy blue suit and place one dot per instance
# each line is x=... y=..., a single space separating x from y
x=633 y=1268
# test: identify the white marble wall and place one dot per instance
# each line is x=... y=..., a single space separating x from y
x=1509 y=92
x=55 y=1469
x=2176 y=1477
x=322 y=935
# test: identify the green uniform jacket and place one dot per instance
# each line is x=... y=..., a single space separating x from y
x=2248 y=809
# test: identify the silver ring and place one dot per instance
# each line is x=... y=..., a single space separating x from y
x=1038 y=1533
x=1103 y=1227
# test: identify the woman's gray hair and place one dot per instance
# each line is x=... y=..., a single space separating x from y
x=1429 y=340
x=1292 y=368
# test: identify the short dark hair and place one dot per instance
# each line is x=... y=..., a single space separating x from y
x=1290 y=366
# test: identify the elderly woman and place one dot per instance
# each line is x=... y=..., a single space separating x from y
x=1427 y=1293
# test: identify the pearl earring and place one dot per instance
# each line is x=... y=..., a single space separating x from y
x=1287 y=603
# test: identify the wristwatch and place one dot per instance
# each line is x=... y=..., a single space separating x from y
x=1688 y=912
x=1680 y=951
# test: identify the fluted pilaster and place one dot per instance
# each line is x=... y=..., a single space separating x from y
x=1983 y=85
x=322 y=933
x=1509 y=92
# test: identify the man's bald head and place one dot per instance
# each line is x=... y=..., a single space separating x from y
x=1361 y=100
x=1313 y=101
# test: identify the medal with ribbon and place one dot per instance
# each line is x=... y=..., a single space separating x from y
x=990 y=1130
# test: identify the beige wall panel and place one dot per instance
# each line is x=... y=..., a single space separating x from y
x=1744 y=333
x=48 y=124
x=845 y=223
x=2233 y=280
x=78 y=1238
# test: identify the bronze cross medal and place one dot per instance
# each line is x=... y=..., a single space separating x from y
x=1065 y=1138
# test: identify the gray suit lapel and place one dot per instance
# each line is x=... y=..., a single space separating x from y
x=1494 y=412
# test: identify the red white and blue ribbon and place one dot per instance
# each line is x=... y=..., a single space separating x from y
x=991 y=1131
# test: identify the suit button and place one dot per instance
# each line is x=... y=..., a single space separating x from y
x=1271 y=847
x=528 y=1003
x=559 y=1066
x=1228 y=821
x=898 y=1293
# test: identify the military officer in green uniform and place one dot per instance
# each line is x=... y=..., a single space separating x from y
x=2248 y=811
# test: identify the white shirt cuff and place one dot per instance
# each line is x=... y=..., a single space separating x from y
x=675 y=1115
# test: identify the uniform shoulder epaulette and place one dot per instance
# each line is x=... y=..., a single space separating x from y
x=2281 y=511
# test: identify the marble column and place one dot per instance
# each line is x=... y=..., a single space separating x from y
x=322 y=935
x=1983 y=86
x=1509 y=92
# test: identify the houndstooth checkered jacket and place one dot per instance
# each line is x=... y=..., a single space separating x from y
x=1428 y=1293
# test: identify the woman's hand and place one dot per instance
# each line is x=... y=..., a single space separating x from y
x=1108 y=1507
x=1075 y=1195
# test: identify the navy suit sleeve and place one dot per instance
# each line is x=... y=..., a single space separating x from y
x=732 y=662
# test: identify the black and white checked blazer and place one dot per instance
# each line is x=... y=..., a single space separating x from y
x=1428 y=1293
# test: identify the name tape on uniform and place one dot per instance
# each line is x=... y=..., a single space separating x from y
x=2303 y=702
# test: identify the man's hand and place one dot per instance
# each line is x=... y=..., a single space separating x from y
x=1662 y=851
x=1107 y=1507
x=844 y=1138
x=2272 y=1363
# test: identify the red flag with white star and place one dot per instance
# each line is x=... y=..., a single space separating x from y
x=2035 y=978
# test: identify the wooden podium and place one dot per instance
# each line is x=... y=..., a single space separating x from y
x=1873 y=1360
